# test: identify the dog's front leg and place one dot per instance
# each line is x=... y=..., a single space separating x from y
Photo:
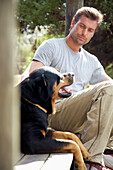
x=75 y=149
x=69 y=136
x=68 y=146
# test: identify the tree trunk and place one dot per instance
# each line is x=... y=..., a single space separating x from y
x=8 y=106
x=71 y=7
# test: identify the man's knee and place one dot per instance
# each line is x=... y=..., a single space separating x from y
x=108 y=88
x=103 y=88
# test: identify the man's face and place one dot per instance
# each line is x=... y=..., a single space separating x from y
x=83 y=30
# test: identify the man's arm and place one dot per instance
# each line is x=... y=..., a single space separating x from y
x=33 y=66
x=107 y=78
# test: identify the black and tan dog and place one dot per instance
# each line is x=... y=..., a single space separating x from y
x=38 y=94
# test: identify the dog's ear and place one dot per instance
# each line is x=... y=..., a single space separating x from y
x=26 y=91
x=51 y=78
x=35 y=90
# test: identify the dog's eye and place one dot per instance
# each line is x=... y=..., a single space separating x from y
x=65 y=75
x=61 y=77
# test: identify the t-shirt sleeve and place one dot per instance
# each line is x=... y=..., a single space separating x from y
x=98 y=74
x=44 y=53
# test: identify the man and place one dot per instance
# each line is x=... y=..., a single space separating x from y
x=87 y=112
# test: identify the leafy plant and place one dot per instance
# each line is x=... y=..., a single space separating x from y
x=109 y=70
x=102 y=42
x=38 y=13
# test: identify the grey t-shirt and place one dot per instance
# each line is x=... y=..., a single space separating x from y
x=86 y=67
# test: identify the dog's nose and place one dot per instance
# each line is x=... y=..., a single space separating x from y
x=68 y=75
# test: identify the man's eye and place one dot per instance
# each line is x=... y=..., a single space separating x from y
x=90 y=30
x=82 y=26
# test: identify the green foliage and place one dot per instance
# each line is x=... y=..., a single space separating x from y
x=109 y=70
x=102 y=43
x=106 y=7
x=41 y=13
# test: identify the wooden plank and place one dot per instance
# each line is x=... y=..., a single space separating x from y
x=32 y=162
x=60 y=161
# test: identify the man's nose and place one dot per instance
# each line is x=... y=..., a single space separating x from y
x=85 y=31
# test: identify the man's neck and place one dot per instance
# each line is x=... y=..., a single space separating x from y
x=71 y=44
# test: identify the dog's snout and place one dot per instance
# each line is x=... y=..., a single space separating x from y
x=68 y=75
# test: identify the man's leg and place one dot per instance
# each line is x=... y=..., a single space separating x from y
x=91 y=109
x=98 y=127
x=71 y=113
x=110 y=143
x=108 y=153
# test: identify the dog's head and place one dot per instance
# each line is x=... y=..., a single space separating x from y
x=43 y=87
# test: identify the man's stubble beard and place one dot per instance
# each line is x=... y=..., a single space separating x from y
x=76 y=41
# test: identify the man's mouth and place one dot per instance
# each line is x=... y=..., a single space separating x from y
x=81 y=37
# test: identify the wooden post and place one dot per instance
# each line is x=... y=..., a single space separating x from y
x=71 y=7
x=9 y=116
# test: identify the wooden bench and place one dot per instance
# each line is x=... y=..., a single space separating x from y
x=57 y=161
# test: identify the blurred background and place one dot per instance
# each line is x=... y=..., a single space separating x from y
x=38 y=20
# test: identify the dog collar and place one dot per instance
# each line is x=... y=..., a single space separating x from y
x=36 y=105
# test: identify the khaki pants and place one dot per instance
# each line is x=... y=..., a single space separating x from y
x=90 y=113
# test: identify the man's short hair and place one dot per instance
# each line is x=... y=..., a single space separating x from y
x=90 y=13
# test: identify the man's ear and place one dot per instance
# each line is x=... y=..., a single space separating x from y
x=72 y=23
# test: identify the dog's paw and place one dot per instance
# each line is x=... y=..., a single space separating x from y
x=86 y=156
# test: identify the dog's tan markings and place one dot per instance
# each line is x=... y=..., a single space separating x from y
x=57 y=69
x=71 y=136
x=54 y=98
x=55 y=85
x=36 y=105
x=56 y=88
x=43 y=132
x=74 y=148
